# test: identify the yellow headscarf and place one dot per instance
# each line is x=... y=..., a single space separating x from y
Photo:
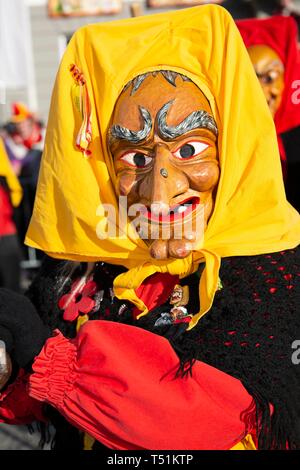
x=251 y=214
x=6 y=170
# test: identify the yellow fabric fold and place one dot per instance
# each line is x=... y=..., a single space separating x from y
x=7 y=171
x=251 y=214
x=245 y=444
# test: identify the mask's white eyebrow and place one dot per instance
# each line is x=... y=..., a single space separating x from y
x=134 y=137
x=197 y=120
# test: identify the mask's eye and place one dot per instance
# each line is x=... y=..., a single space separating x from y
x=269 y=77
x=136 y=159
x=190 y=149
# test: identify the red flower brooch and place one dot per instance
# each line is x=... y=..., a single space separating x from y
x=79 y=300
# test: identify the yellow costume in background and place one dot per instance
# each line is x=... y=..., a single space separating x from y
x=6 y=170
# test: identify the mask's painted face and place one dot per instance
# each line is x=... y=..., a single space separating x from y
x=270 y=72
x=163 y=141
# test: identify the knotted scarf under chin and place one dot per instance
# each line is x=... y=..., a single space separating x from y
x=125 y=284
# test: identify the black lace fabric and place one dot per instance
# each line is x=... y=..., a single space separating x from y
x=248 y=333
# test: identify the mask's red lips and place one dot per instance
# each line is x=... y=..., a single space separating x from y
x=176 y=212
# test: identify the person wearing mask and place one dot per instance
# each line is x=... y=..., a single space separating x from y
x=273 y=49
x=170 y=293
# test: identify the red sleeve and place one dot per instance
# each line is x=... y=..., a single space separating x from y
x=7 y=226
x=117 y=383
x=16 y=406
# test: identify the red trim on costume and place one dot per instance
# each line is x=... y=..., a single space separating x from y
x=155 y=290
x=7 y=225
x=16 y=406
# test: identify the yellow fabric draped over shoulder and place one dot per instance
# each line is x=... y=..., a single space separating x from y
x=251 y=214
x=7 y=171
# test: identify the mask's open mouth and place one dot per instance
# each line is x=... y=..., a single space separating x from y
x=176 y=297
x=176 y=212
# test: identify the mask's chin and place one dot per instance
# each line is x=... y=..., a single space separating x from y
x=176 y=233
x=165 y=249
x=185 y=234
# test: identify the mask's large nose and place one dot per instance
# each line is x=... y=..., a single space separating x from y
x=266 y=89
x=164 y=183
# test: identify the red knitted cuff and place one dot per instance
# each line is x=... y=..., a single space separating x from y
x=53 y=370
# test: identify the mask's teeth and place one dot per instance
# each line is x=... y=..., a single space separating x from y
x=181 y=209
